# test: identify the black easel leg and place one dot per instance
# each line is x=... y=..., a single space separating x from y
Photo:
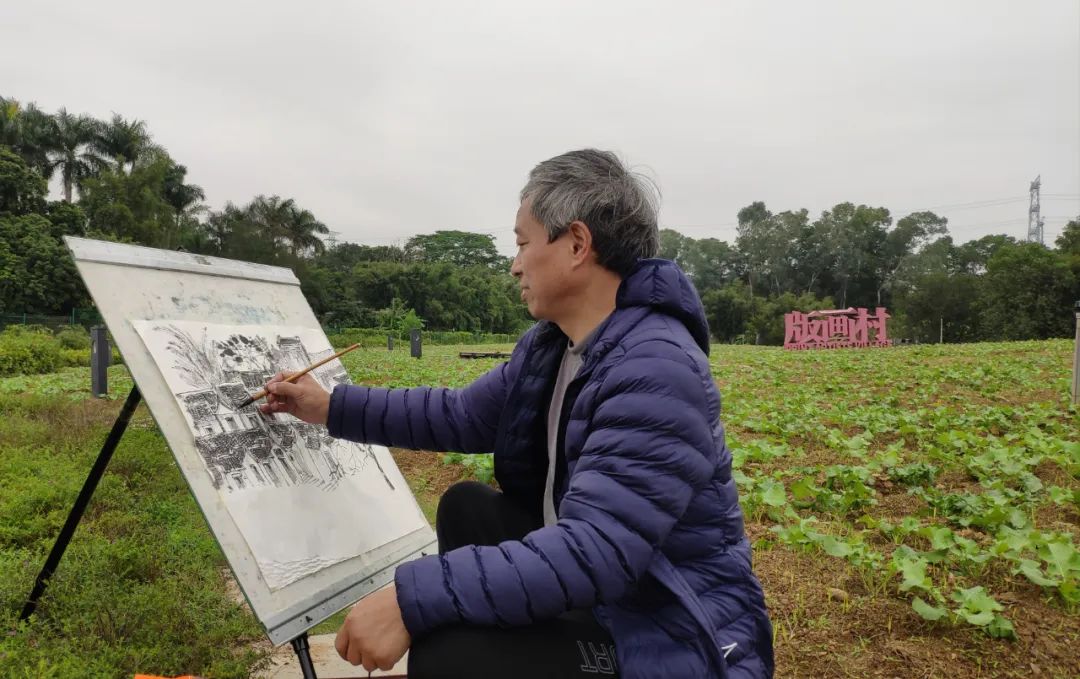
x=81 y=502
x=303 y=654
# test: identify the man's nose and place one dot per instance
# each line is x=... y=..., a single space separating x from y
x=515 y=267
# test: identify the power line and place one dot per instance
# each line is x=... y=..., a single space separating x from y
x=969 y=205
x=716 y=227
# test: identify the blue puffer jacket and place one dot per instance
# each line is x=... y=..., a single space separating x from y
x=650 y=532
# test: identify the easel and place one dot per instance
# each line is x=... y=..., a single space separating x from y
x=299 y=644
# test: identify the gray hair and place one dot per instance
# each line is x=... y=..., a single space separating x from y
x=594 y=187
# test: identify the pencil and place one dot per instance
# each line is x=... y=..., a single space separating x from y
x=295 y=376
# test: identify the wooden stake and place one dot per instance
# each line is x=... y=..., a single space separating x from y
x=1076 y=359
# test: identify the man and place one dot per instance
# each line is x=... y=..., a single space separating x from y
x=618 y=520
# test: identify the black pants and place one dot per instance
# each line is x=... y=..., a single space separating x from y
x=572 y=645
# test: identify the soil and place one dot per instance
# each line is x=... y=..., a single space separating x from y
x=827 y=625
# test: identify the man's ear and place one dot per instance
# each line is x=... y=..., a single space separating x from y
x=580 y=239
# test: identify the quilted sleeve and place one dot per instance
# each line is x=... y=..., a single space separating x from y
x=426 y=418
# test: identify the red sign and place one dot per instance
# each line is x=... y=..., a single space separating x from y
x=836 y=329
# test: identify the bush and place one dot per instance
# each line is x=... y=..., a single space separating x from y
x=74 y=337
x=29 y=350
x=80 y=358
x=71 y=358
x=366 y=337
x=463 y=337
x=374 y=337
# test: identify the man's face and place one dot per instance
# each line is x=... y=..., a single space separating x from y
x=543 y=269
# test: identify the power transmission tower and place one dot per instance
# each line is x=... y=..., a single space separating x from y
x=1035 y=221
x=332 y=240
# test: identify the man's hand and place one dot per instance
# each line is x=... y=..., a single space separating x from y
x=306 y=399
x=374 y=634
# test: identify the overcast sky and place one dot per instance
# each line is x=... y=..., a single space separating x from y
x=388 y=119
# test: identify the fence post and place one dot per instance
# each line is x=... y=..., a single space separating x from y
x=100 y=357
x=414 y=343
x=1076 y=357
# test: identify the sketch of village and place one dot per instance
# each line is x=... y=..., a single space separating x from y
x=277 y=475
x=241 y=446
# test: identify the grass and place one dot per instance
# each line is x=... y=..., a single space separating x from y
x=845 y=459
x=141 y=586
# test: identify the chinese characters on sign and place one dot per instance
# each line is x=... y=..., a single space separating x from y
x=835 y=329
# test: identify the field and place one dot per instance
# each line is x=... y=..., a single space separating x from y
x=915 y=512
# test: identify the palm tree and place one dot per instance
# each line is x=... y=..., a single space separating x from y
x=270 y=212
x=70 y=149
x=270 y=215
x=9 y=122
x=183 y=198
x=26 y=130
x=287 y=224
x=126 y=142
x=302 y=230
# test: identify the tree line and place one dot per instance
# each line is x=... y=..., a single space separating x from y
x=990 y=288
x=118 y=184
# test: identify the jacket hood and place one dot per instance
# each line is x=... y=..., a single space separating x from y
x=661 y=285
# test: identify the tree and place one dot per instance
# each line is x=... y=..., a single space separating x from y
x=398 y=320
x=1069 y=240
x=185 y=201
x=673 y=246
x=302 y=231
x=753 y=240
x=769 y=245
x=1068 y=244
x=36 y=272
x=710 y=263
x=70 y=144
x=10 y=133
x=940 y=304
x=67 y=219
x=126 y=142
x=460 y=248
x=974 y=255
x=236 y=233
x=854 y=237
x=903 y=242
x=184 y=198
x=293 y=227
x=131 y=206
x=811 y=261
x=22 y=190
x=788 y=228
x=26 y=129
x=1027 y=293
x=348 y=255
x=937 y=257
x=727 y=311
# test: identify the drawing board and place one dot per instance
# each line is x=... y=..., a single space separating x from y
x=308 y=523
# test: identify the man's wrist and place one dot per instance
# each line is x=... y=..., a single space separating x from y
x=324 y=408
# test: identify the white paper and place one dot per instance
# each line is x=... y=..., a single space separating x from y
x=301 y=499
